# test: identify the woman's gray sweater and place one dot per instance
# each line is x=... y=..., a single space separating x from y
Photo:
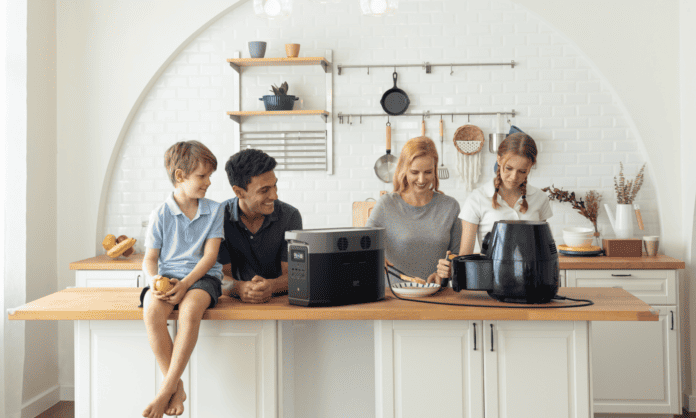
x=418 y=236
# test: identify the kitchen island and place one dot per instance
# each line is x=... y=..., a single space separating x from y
x=506 y=362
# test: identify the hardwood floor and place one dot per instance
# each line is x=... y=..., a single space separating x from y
x=66 y=409
x=63 y=409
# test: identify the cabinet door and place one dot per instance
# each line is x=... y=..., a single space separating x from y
x=109 y=278
x=232 y=371
x=428 y=368
x=654 y=287
x=536 y=369
x=635 y=365
x=116 y=374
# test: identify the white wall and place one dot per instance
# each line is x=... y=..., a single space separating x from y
x=582 y=94
x=41 y=388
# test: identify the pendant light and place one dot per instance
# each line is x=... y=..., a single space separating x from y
x=273 y=9
x=378 y=7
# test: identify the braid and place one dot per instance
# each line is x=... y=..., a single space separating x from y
x=523 y=188
x=497 y=182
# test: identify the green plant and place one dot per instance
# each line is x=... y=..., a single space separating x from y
x=280 y=91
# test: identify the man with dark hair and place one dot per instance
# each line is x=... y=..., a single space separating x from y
x=254 y=254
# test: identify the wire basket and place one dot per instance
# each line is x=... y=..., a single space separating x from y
x=468 y=139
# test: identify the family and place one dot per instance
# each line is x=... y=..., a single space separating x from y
x=237 y=248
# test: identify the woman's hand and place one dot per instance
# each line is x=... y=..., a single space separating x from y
x=434 y=278
x=444 y=267
x=388 y=263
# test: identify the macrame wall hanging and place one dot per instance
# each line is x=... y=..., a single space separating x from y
x=468 y=140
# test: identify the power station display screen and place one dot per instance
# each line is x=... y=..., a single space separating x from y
x=297 y=256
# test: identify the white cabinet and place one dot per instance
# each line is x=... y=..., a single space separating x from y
x=116 y=374
x=232 y=371
x=482 y=368
x=109 y=278
x=636 y=365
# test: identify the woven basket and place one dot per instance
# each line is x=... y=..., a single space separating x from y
x=468 y=139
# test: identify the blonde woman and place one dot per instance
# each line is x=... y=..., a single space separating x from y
x=421 y=222
x=508 y=197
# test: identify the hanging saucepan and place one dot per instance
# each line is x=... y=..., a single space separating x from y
x=386 y=164
x=395 y=101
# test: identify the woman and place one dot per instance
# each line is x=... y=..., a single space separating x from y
x=507 y=197
x=421 y=222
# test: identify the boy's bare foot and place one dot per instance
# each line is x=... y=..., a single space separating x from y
x=176 y=404
x=157 y=406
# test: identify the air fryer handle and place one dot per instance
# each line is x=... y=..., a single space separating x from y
x=486 y=243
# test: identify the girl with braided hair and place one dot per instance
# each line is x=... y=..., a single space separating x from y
x=507 y=198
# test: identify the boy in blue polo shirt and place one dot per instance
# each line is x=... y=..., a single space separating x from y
x=182 y=243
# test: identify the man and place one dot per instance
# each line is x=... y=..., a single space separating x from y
x=254 y=254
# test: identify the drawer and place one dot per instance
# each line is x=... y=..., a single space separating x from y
x=109 y=278
x=654 y=287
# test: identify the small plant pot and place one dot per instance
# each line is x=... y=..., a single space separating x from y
x=257 y=49
x=272 y=102
x=292 y=50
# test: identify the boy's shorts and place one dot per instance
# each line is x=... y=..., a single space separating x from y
x=210 y=284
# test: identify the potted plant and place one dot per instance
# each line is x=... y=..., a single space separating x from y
x=279 y=100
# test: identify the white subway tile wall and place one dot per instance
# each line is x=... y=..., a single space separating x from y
x=562 y=102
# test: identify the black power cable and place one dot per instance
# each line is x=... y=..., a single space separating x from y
x=587 y=302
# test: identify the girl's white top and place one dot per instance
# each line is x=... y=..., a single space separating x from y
x=478 y=209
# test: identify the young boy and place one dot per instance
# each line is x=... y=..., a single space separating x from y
x=182 y=243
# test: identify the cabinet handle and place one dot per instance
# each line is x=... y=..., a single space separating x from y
x=474 y=336
x=620 y=275
x=672 y=312
x=491 y=337
x=137 y=282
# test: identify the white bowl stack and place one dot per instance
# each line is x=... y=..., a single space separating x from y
x=578 y=237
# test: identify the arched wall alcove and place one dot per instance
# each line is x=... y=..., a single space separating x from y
x=579 y=122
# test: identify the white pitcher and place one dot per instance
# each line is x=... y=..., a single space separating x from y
x=623 y=223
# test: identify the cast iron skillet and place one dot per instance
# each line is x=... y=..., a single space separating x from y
x=395 y=101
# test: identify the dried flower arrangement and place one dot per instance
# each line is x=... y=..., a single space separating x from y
x=589 y=208
x=626 y=191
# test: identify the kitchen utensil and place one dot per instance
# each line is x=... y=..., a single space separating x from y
x=273 y=103
x=519 y=263
x=632 y=247
x=386 y=164
x=623 y=223
x=651 y=243
x=415 y=290
x=395 y=101
x=468 y=140
x=423 y=126
x=257 y=49
x=403 y=276
x=584 y=252
x=442 y=172
x=494 y=139
x=292 y=50
x=639 y=217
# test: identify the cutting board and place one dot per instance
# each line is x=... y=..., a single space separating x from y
x=361 y=211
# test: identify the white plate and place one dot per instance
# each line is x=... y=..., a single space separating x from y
x=415 y=290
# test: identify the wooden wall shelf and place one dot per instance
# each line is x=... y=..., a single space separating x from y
x=237 y=115
x=237 y=63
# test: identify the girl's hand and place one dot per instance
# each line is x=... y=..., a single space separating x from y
x=175 y=295
x=444 y=267
x=434 y=278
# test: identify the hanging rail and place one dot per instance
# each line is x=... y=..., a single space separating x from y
x=426 y=66
x=425 y=114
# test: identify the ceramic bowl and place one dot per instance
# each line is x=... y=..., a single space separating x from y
x=257 y=49
x=578 y=236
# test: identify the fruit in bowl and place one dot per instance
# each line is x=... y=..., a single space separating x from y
x=578 y=237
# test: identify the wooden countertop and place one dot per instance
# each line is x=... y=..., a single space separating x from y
x=658 y=262
x=104 y=262
x=121 y=304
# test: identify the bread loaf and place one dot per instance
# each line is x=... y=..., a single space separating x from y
x=121 y=248
x=109 y=242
